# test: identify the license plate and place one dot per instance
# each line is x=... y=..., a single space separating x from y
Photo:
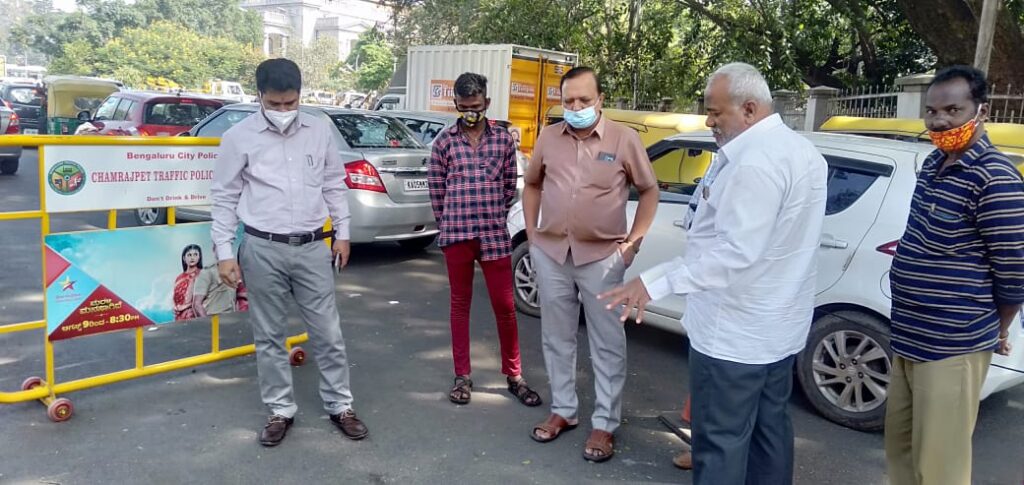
x=416 y=185
x=30 y=131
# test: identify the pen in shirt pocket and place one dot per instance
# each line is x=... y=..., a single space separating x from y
x=309 y=160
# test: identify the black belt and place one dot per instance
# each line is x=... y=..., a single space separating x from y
x=290 y=239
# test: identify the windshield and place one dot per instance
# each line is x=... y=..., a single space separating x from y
x=184 y=113
x=26 y=95
x=368 y=131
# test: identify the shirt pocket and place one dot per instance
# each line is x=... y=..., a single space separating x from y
x=493 y=167
x=604 y=174
x=313 y=169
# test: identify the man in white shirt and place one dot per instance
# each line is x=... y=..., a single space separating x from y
x=749 y=271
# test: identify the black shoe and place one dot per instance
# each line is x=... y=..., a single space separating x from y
x=350 y=425
x=273 y=433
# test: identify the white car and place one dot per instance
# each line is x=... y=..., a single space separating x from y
x=844 y=370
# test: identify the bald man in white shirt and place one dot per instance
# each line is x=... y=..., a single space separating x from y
x=749 y=272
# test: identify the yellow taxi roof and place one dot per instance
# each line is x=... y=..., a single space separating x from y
x=1008 y=137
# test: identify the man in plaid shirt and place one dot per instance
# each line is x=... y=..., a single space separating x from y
x=472 y=180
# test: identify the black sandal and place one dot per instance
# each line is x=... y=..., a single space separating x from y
x=523 y=393
x=461 y=391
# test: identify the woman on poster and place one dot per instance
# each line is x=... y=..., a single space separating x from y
x=191 y=264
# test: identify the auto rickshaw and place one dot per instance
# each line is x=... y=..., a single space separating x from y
x=72 y=100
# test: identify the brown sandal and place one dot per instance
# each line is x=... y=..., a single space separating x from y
x=553 y=426
x=523 y=393
x=602 y=442
x=462 y=391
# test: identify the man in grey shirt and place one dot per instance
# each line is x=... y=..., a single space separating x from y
x=281 y=175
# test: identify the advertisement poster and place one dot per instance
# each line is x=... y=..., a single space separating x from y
x=102 y=281
x=86 y=178
x=442 y=95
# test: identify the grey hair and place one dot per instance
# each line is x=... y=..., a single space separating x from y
x=745 y=83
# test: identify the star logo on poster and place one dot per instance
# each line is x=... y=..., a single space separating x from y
x=67 y=284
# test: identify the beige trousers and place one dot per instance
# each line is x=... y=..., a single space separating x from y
x=929 y=420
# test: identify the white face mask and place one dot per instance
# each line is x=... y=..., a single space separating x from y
x=281 y=119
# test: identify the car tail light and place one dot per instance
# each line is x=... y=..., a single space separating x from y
x=888 y=248
x=15 y=125
x=362 y=175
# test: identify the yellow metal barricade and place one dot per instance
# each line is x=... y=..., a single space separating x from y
x=47 y=389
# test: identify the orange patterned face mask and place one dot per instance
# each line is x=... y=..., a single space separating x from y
x=955 y=140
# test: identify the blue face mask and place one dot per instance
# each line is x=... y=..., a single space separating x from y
x=582 y=119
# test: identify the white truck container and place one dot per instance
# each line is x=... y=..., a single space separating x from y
x=522 y=82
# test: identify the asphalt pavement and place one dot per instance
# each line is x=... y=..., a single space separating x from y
x=199 y=425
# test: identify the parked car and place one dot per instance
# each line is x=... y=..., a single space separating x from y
x=135 y=113
x=26 y=99
x=844 y=370
x=9 y=155
x=386 y=175
x=390 y=102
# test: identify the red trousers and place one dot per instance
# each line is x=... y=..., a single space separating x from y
x=461 y=258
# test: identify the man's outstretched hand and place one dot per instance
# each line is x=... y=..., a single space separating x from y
x=632 y=295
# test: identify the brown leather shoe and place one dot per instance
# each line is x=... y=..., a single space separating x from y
x=350 y=425
x=273 y=433
x=684 y=460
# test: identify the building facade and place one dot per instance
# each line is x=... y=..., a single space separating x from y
x=309 y=20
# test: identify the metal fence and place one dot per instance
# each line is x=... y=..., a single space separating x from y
x=865 y=102
x=1007 y=104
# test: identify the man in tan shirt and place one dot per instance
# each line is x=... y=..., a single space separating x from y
x=579 y=178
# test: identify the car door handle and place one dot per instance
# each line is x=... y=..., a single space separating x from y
x=679 y=223
x=833 y=243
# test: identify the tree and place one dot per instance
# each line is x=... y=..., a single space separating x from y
x=372 y=61
x=315 y=61
x=950 y=28
x=164 y=49
x=98 y=21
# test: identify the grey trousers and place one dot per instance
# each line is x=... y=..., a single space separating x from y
x=742 y=433
x=273 y=273
x=562 y=288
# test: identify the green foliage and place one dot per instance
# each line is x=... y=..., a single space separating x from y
x=164 y=49
x=650 y=49
x=372 y=61
x=316 y=61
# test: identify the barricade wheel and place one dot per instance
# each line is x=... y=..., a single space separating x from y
x=60 y=410
x=31 y=382
x=297 y=356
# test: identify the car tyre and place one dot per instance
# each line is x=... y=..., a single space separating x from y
x=150 y=216
x=9 y=166
x=417 y=244
x=846 y=367
x=524 y=281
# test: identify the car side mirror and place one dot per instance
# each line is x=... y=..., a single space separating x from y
x=84 y=116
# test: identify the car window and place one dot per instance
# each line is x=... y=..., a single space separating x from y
x=123 y=108
x=26 y=95
x=222 y=122
x=181 y=113
x=106 y=110
x=426 y=131
x=845 y=186
x=368 y=131
x=678 y=171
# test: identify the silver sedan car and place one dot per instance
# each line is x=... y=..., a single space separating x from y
x=386 y=175
x=9 y=155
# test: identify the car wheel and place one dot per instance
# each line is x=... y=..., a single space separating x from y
x=9 y=166
x=417 y=244
x=524 y=281
x=845 y=369
x=150 y=216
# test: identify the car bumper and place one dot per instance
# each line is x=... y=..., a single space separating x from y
x=10 y=152
x=375 y=217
